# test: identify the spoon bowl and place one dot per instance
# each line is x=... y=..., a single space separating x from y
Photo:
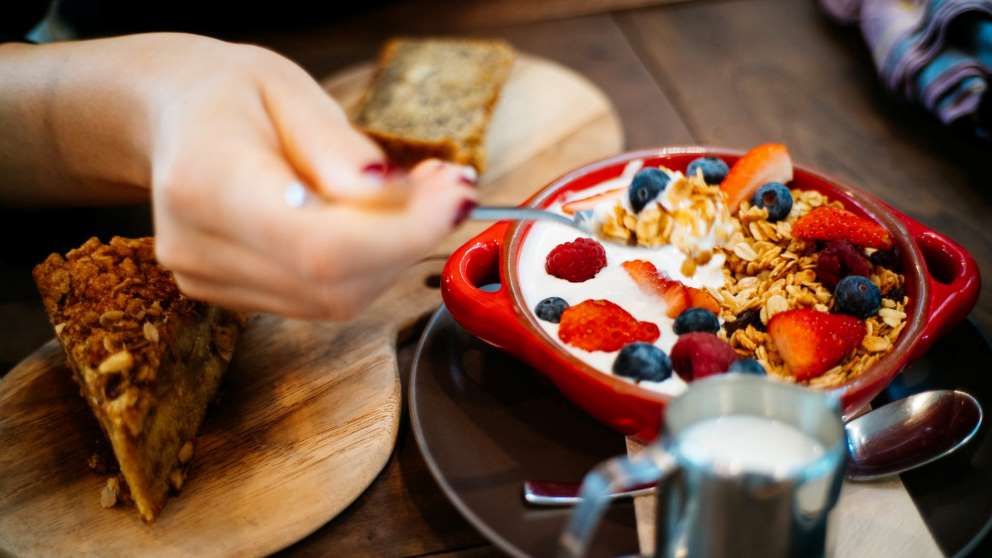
x=889 y=440
x=910 y=432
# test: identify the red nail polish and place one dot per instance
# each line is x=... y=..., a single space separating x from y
x=379 y=169
x=463 y=211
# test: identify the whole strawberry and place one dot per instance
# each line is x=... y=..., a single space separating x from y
x=697 y=355
x=576 y=261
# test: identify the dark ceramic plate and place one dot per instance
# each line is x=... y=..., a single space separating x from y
x=485 y=422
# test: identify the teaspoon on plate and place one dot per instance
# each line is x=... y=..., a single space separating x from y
x=889 y=440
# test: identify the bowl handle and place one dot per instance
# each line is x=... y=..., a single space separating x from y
x=489 y=315
x=953 y=276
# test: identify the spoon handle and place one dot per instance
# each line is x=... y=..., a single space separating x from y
x=513 y=213
x=546 y=493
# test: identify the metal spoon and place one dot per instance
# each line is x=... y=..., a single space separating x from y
x=583 y=220
x=889 y=440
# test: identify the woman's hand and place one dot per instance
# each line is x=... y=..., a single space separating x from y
x=220 y=133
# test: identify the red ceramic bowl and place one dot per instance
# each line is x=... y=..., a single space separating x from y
x=942 y=282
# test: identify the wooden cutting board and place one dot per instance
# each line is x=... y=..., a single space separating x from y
x=309 y=411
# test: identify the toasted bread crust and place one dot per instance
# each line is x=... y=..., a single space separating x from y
x=435 y=98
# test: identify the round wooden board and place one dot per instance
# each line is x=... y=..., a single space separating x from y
x=308 y=413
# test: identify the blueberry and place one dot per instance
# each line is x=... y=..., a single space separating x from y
x=646 y=186
x=775 y=197
x=643 y=361
x=714 y=170
x=550 y=309
x=857 y=296
x=696 y=319
x=747 y=366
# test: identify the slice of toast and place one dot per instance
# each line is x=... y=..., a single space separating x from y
x=147 y=359
x=434 y=98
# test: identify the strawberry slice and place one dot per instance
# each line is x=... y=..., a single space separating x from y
x=582 y=204
x=653 y=282
x=812 y=342
x=600 y=325
x=766 y=163
x=833 y=223
x=699 y=298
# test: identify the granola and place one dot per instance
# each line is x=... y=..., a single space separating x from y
x=766 y=270
x=690 y=214
x=769 y=271
x=742 y=259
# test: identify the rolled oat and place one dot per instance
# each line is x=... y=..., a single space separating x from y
x=768 y=269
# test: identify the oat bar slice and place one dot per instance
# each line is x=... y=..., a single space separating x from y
x=147 y=359
x=434 y=98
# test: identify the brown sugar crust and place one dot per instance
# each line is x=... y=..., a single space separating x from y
x=435 y=98
x=148 y=359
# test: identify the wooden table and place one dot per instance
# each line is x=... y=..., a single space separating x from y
x=718 y=72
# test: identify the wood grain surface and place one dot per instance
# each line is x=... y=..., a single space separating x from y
x=473 y=15
x=404 y=513
x=811 y=85
x=718 y=72
x=308 y=416
x=310 y=410
x=722 y=72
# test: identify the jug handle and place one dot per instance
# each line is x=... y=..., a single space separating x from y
x=653 y=464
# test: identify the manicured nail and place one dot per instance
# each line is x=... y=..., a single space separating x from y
x=464 y=210
x=469 y=176
x=379 y=170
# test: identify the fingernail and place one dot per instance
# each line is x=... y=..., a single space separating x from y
x=469 y=176
x=379 y=170
x=464 y=210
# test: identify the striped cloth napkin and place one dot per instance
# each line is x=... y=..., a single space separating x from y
x=937 y=53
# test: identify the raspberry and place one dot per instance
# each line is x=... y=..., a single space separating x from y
x=838 y=260
x=576 y=261
x=600 y=325
x=697 y=355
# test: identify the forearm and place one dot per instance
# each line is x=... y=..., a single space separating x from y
x=73 y=129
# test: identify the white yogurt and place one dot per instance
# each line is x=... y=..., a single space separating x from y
x=748 y=444
x=612 y=283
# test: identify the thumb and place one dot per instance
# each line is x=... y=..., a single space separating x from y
x=441 y=197
x=352 y=240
